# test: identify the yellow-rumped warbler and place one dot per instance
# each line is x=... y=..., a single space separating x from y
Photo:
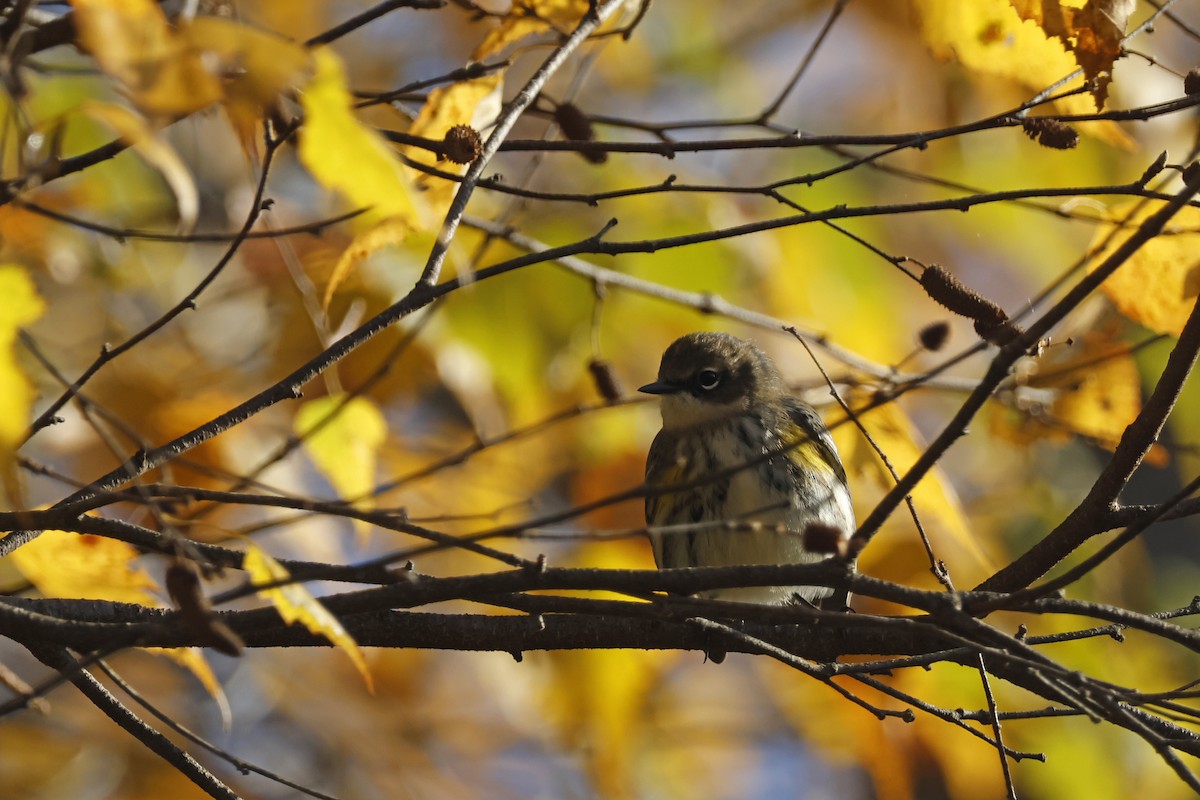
x=727 y=414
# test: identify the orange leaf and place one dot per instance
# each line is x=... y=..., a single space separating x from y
x=1093 y=33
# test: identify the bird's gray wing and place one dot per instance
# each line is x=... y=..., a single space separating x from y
x=809 y=422
x=806 y=418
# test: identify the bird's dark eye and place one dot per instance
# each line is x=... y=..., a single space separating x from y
x=708 y=379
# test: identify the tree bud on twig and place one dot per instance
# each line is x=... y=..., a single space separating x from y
x=462 y=144
x=1191 y=82
x=1050 y=132
x=605 y=379
x=577 y=127
x=934 y=335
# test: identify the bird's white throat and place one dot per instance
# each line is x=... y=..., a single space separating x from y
x=681 y=411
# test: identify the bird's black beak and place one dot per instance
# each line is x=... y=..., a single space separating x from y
x=659 y=387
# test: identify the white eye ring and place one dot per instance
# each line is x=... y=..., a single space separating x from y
x=708 y=379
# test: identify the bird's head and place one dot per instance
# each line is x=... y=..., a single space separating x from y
x=705 y=377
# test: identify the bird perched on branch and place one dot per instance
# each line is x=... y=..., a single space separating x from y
x=743 y=450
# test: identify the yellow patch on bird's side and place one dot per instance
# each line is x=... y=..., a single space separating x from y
x=810 y=458
x=663 y=505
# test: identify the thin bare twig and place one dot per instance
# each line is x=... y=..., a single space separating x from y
x=154 y=741
x=991 y=701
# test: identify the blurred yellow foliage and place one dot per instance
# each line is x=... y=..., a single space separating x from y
x=172 y=71
x=953 y=540
x=345 y=155
x=19 y=306
x=342 y=435
x=1160 y=284
x=988 y=37
x=131 y=40
x=390 y=232
x=597 y=698
x=157 y=152
x=1091 y=389
x=477 y=417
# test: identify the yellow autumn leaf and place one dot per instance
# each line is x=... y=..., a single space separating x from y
x=19 y=305
x=342 y=437
x=257 y=66
x=467 y=102
x=1100 y=401
x=132 y=41
x=62 y=564
x=391 y=231
x=529 y=17
x=170 y=71
x=563 y=14
x=934 y=497
x=1091 y=30
x=1160 y=283
x=988 y=37
x=1092 y=390
x=345 y=155
x=458 y=104
x=511 y=30
x=147 y=143
x=296 y=604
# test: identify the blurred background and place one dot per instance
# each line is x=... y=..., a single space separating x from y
x=439 y=397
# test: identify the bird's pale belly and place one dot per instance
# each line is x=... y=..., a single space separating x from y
x=768 y=492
